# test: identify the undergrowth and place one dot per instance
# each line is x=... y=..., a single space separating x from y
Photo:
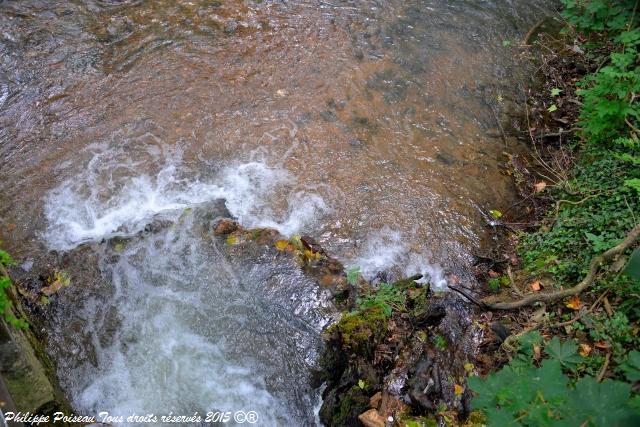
x=591 y=376
x=5 y=283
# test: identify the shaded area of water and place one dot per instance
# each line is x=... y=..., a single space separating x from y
x=370 y=125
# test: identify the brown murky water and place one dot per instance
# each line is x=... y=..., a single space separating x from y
x=367 y=124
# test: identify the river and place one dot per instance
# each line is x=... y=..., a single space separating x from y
x=369 y=125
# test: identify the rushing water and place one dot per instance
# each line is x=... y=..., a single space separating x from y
x=370 y=125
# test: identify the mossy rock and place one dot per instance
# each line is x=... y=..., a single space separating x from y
x=360 y=330
x=342 y=408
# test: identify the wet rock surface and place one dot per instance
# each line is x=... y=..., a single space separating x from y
x=407 y=363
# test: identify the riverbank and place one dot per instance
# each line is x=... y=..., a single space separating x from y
x=567 y=304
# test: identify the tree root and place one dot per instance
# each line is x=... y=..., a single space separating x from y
x=527 y=38
x=588 y=280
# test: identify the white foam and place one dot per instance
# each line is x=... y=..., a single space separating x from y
x=109 y=199
x=388 y=249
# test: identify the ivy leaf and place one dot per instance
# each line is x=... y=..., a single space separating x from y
x=552 y=108
x=555 y=91
x=506 y=43
x=566 y=353
x=361 y=384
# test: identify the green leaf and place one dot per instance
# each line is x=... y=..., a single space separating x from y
x=600 y=404
x=632 y=269
x=633 y=183
x=566 y=353
x=353 y=275
x=361 y=384
x=552 y=108
x=5 y=258
x=555 y=91
x=506 y=43
x=631 y=366
x=495 y=213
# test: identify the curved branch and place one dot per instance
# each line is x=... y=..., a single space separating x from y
x=594 y=266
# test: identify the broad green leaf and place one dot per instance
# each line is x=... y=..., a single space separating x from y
x=566 y=353
x=600 y=404
x=632 y=268
x=552 y=108
x=631 y=366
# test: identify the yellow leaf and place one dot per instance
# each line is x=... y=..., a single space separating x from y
x=468 y=367
x=585 y=350
x=574 y=303
x=457 y=389
x=281 y=245
x=231 y=240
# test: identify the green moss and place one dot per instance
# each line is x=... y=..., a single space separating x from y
x=360 y=329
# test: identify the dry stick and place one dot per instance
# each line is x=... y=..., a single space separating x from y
x=559 y=202
x=469 y=297
x=594 y=266
x=605 y=365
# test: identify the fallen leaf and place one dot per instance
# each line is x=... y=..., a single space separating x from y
x=231 y=240
x=574 y=303
x=552 y=108
x=495 y=213
x=536 y=352
x=585 y=350
x=468 y=367
x=535 y=286
x=601 y=345
x=281 y=245
x=493 y=273
x=457 y=389
x=539 y=186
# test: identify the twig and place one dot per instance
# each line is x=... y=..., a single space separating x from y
x=594 y=266
x=605 y=365
x=581 y=314
x=559 y=133
x=477 y=302
x=579 y=202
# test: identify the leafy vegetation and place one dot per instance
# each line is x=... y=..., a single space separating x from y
x=5 y=284
x=548 y=394
x=588 y=378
